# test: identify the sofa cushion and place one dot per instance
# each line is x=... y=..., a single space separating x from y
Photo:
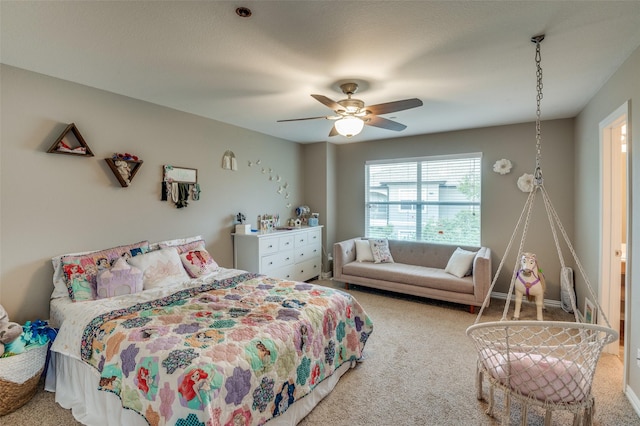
x=363 y=251
x=460 y=263
x=422 y=276
x=380 y=250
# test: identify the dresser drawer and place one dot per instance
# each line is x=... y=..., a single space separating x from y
x=285 y=243
x=307 y=270
x=307 y=252
x=276 y=260
x=300 y=239
x=269 y=245
x=314 y=236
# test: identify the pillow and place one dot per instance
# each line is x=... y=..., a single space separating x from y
x=198 y=262
x=460 y=263
x=178 y=242
x=81 y=271
x=363 y=251
x=122 y=278
x=160 y=268
x=380 y=250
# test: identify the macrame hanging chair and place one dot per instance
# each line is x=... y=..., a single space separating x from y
x=549 y=364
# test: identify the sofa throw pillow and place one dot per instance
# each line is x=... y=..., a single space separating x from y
x=122 y=278
x=160 y=268
x=81 y=271
x=380 y=250
x=198 y=262
x=460 y=263
x=363 y=251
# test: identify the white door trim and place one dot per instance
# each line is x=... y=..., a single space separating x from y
x=610 y=217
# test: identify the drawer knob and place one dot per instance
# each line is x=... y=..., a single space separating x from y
x=270 y=263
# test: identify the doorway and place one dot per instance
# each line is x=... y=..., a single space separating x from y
x=613 y=253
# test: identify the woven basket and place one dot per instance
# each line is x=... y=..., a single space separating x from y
x=19 y=377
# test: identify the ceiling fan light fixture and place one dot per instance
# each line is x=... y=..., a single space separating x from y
x=349 y=126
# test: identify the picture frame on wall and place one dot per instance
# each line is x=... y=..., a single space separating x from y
x=590 y=312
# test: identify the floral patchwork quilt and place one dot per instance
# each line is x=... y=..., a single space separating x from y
x=234 y=351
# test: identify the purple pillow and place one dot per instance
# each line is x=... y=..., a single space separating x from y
x=122 y=278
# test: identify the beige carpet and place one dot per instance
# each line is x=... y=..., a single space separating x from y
x=418 y=370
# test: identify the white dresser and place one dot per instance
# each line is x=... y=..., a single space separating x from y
x=290 y=254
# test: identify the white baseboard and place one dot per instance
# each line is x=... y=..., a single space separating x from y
x=633 y=399
x=547 y=302
x=326 y=275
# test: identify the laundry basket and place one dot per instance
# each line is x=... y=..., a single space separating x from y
x=19 y=377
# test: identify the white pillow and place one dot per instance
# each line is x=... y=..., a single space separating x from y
x=363 y=251
x=160 y=268
x=460 y=263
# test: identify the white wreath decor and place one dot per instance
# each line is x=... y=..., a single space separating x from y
x=525 y=182
x=502 y=166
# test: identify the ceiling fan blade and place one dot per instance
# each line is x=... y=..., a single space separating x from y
x=299 y=119
x=394 y=106
x=384 y=123
x=334 y=131
x=328 y=102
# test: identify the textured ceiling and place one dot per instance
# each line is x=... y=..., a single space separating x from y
x=470 y=62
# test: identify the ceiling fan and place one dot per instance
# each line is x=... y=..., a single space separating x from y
x=351 y=114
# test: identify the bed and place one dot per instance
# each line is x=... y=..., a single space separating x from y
x=156 y=335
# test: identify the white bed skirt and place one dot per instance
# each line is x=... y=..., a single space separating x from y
x=75 y=385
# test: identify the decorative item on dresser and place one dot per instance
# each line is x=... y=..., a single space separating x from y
x=288 y=254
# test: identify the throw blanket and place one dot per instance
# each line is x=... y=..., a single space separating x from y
x=236 y=351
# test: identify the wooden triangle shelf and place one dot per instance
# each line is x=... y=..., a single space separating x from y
x=134 y=166
x=65 y=146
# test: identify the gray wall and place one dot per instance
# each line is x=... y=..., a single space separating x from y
x=623 y=86
x=502 y=201
x=55 y=204
x=319 y=169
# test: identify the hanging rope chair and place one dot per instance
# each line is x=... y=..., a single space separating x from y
x=549 y=364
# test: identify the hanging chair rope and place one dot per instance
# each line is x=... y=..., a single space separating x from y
x=550 y=364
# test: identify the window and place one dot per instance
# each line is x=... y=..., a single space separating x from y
x=435 y=199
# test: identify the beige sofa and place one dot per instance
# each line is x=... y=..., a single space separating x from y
x=418 y=269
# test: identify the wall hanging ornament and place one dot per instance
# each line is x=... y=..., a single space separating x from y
x=229 y=161
x=526 y=182
x=502 y=166
x=274 y=177
x=71 y=142
x=548 y=364
x=124 y=167
x=180 y=184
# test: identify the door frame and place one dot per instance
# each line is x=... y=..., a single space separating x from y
x=610 y=219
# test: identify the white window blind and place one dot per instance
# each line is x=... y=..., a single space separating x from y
x=434 y=199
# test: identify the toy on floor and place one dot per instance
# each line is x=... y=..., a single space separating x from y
x=9 y=331
x=530 y=282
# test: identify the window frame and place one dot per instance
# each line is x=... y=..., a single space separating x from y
x=420 y=207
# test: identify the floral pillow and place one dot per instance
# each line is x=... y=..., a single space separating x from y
x=122 y=278
x=160 y=268
x=81 y=271
x=380 y=250
x=198 y=262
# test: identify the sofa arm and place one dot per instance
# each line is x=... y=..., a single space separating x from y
x=343 y=253
x=482 y=274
